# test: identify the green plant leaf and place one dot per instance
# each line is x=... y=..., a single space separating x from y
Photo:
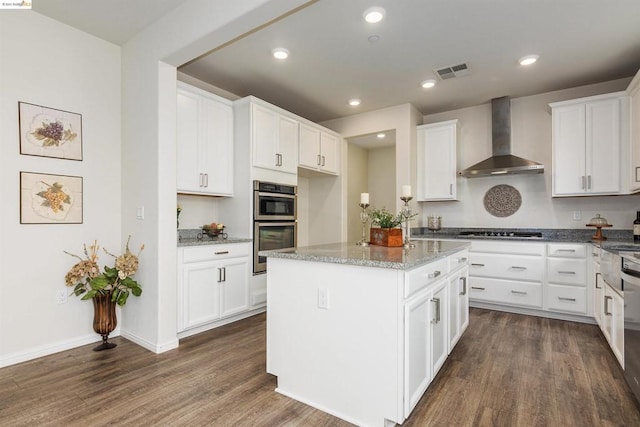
x=122 y=298
x=137 y=291
x=99 y=282
x=90 y=294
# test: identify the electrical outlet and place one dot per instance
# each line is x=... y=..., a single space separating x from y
x=577 y=216
x=61 y=296
x=323 y=298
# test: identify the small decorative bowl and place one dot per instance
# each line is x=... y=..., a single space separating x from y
x=214 y=232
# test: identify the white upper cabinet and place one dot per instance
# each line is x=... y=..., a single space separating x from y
x=437 y=145
x=204 y=134
x=591 y=146
x=318 y=149
x=634 y=92
x=274 y=140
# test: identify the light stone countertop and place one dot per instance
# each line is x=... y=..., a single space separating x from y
x=372 y=256
x=192 y=241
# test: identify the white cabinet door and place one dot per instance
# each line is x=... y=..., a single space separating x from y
x=458 y=306
x=188 y=156
x=439 y=319
x=264 y=133
x=603 y=146
x=587 y=143
x=204 y=137
x=309 y=147
x=437 y=161
x=615 y=310
x=416 y=352
x=274 y=139
x=234 y=287
x=463 y=304
x=201 y=302
x=318 y=150
x=598 y=298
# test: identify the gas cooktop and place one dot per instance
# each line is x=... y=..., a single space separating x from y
x=533 y=235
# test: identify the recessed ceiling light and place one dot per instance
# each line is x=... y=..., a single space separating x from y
x=374 y=14
x=280 y=53
x=354 y=102
x=528 y=60
x=428 y=83
x=381 y=135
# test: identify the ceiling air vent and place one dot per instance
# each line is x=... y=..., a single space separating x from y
x=452 y=71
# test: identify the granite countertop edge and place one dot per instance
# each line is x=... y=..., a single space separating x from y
x=185 y=242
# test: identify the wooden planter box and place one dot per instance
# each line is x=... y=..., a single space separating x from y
x=386 y=236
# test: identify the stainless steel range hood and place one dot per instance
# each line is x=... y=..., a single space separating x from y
x=502 y=162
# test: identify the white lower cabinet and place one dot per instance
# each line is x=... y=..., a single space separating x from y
x=213 y=283
x=458 y=306
x=613 y=321
x=439 y=323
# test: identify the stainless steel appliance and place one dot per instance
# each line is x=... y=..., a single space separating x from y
x=630 y=283
x=274 y=202
x=502 y=234
x=274 y=220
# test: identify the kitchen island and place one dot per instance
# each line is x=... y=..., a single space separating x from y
x=360 y=332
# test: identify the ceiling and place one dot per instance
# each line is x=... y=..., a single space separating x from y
x=333 y=60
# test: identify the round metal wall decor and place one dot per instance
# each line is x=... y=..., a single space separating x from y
x=502 y=200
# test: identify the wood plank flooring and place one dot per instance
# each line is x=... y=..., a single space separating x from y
x=507 y=370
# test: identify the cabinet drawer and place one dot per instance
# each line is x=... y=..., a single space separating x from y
x=458 y=260
x=502 y=266
x=423 y=276
x=513 y=248
x=505 y=292
x=566 y=250
x=567 y=271
x=213 y=252
x=567 y=298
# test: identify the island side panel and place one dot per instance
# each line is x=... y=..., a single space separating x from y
x=344 y=360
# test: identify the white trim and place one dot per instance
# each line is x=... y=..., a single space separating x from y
x=222 y=322
x=533 y=312
x=151 y=346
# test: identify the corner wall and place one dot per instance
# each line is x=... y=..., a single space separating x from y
x=47 y=63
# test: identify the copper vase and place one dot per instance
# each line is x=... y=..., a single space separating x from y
x=104 y=319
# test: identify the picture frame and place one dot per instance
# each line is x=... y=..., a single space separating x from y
x=49 y=132
x=50 y=199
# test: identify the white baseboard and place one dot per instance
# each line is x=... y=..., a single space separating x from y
x=259 y=297
x=151 y=346
x=45 y=350
x=534 y=312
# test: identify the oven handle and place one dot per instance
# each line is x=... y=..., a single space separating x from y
x=281 y=195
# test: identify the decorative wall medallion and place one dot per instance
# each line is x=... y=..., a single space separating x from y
x=502 y=200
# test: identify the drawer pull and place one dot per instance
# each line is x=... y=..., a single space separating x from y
x=476 y=265
x=464 y=286
x=566 y=251
x=567 y=299
x=518 y=292
x=221 y=253
x=597 y=287
x=463 y=259
x=567 y=272
x=434 y=274
x=515 y=267
x=477 y=288
x=437 y=302
x=606 y=305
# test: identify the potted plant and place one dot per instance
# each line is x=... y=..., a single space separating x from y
x=106 y=289
x=386 y=233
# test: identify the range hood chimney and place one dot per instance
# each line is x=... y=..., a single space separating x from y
x=502 y=162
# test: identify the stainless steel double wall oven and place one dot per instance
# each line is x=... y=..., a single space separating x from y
x=274 y=220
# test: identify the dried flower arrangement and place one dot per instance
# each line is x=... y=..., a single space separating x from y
x=88 y=281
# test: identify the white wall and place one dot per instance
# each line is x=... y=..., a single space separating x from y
x=357 y=182
x=47 y=63
x=381 y=177
x=531 y=139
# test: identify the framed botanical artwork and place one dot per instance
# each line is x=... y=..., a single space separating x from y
x=50 y=199
x=49 y=132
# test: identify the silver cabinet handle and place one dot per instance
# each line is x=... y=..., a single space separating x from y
x=566 y=251
x=451 y=189
x=206 y=179
x=606 y=305
x=318 y=159
x=566 y=272
x=221 y=253
x=461 y=260
x=518 y=292
x=464 y=286
x=277 y=159
x=434 y=274
x=224 y=274
x=589 y=182
x=595 y=255
x=219 y=274
x=476 y=265
x=437 y=302
x=597 y=287
x=583 y=182
x=566 y=299
x=515 y=267
x=201 y=180
x=322 y=161
x=477 y=288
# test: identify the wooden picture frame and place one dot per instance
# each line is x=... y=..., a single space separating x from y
x=48 y=132
x=50 y=199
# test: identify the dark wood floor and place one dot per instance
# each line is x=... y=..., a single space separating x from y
x=507 y=370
